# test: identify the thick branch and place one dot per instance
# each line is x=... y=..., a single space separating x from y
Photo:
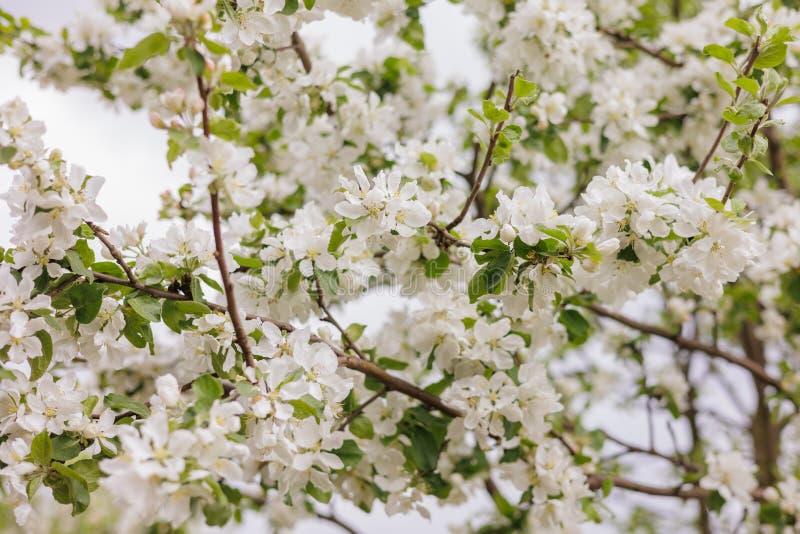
x=692 y=344
x=300 y=49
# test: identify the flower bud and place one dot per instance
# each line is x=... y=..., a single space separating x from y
x=157 y=121
x=174 y=100
x=507 y=233
x=167 y=388
x=195 y=104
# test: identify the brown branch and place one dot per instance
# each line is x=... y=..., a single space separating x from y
x=681 y=492
x=345 y=360
x=487 y=160
x=219 y=248
x=626 y=41
x=336 y=521
x=331 y=319
x=751 y=59
x=300 y=48
x=777 y=159
x=102 y=235
x=651 y=451
x=765 y=434
x=693 y=345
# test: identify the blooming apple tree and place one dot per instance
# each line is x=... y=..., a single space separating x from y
x=612 y=223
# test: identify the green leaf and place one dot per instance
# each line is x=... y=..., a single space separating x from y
x=246 y=261
x=790 y=100
x=206 y=389
x=42 y=448
x=740 y=26
x=68 y=487
x=309 y=4
x=715 y=203
x=436 y=267
x=217 y=514
x=414 y=34
x=748 y=84
x=40 y=364
x=65 y=447
x=512 y=132
x=86 y=299
x=392 y=364
x=724 y=85
x=77 y=266
x=337 y=236
x=491 y=277
x=349 y=453
x=361 y=427
x=355 y=331
x=555 y=149
x=195 y=58
x=719 y=52
x=608 y=484
x=210 y=282
x=227 y=129
x=493 y=113
x=769 y=57
x=289 y=7
x=147 y=307
x=7 y=153
x=423 y=451
x=121 y=403
x=577 y=326
x=137 y=330
x=238 y=80
x=214 y=47
x=196 y=290
x=108 y=267
x=307 y=406
x=155 y=44
x=322 y=496
x=524 y=88
x=715 y=501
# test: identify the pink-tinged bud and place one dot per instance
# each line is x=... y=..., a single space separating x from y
x=157 y=121
x=175 y=123
x=195 y=104
x=210 y=65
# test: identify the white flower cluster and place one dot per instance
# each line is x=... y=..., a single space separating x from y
x=666 y=226
x=49 y=199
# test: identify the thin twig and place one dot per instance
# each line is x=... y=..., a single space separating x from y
x=626 y=41
x=219 y=248
x=331 y=319
x=487 y=160
x=361 y=407
x=751 y=59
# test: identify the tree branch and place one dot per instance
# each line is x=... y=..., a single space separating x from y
x=219 y=253
x=487 y=160
x=751 y=59
x=331 y=319
x=626 y=41
x=345 y=360
x=361 y=407
x=693 y=345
